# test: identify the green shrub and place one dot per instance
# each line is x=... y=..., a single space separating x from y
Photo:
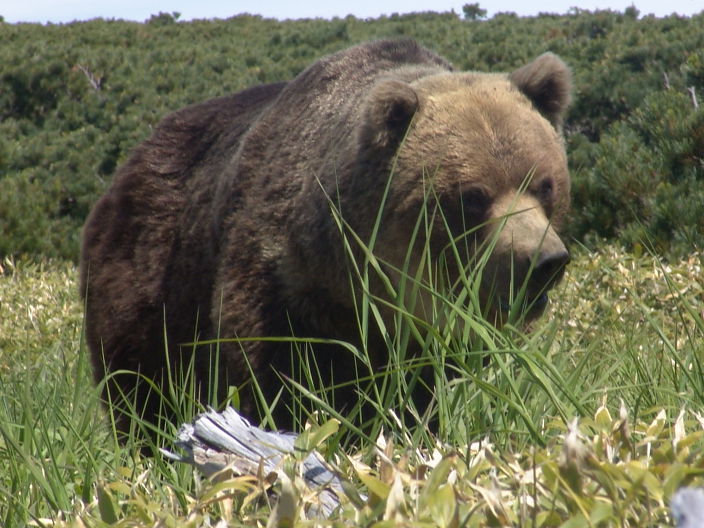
x=643 y=182
x=75 y=98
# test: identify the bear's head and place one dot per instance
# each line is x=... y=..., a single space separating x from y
x=483 y=156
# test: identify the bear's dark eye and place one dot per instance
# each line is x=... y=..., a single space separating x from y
x=465 y=209
x=545 y=190
x=545 y=194
x=475 y=202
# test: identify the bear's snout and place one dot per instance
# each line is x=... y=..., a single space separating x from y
x=547 y=273
x=529 y=257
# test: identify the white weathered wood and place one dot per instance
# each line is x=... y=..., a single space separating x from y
x=688 y=507
x=216 y=441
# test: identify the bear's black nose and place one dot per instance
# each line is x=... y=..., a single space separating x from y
x=549 y=269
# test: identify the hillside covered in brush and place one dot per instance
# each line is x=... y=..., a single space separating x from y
x=75 y=98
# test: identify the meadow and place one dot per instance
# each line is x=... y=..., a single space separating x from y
x=593 y=418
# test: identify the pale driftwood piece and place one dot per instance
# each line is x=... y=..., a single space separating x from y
x=215 y=441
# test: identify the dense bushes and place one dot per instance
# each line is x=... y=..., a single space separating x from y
x=75 y=98
x=644 y=181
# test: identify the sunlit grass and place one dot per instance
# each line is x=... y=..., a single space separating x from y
x=621 y=349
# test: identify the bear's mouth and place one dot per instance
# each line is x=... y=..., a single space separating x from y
x=532 y=309
x=539 y=303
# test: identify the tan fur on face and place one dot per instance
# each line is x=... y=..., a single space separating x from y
x=482 y=129
x=475 y=130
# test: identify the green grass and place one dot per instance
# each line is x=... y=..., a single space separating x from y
x=621 y=349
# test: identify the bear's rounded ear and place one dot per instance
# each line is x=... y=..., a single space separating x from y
x=547 y=82
x=389 y=109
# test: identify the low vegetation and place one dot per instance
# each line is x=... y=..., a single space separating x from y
x=593 y=420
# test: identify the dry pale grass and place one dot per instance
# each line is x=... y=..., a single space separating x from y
x=41 y=309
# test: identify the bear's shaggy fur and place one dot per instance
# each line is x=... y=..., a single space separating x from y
x=220 y=224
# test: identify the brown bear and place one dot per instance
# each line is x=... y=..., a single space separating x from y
x=246 y=218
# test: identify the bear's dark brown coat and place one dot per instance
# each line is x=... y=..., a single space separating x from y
x=220 y=224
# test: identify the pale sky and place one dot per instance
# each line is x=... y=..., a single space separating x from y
x=58 y=11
